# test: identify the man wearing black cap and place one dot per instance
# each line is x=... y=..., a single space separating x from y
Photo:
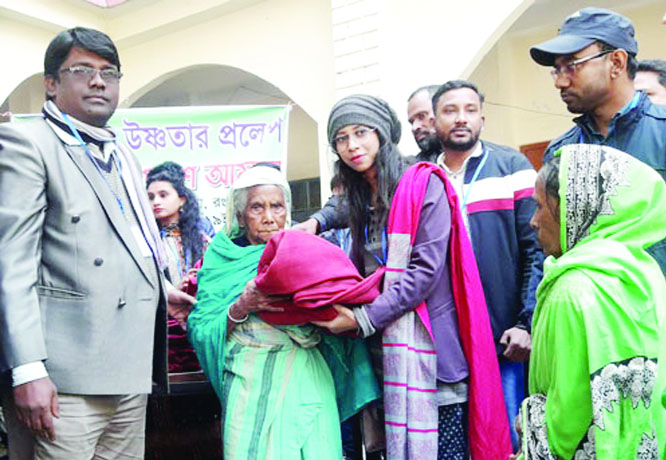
x=594 y=64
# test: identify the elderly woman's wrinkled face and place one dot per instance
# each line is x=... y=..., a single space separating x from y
x=546 y=220
x=265 y=213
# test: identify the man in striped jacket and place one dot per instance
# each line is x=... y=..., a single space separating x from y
x=494 y=185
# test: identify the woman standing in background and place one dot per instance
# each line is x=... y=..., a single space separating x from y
x=180 y=425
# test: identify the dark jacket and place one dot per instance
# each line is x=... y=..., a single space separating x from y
x=334 y=214
x=639 y=129
x=499 y=210
x=431 y=152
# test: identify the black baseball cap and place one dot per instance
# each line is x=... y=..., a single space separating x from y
x=583 y=28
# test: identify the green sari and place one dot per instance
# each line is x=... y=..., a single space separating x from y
x=593 y=372
x=276 y=384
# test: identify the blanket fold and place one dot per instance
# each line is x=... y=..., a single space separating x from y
x=329 y=277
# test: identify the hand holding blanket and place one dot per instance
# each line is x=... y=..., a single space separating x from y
x=316 y=273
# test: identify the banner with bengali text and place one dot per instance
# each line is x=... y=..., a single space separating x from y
x=214 y=144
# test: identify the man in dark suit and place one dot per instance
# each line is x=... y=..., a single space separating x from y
x=81 y=273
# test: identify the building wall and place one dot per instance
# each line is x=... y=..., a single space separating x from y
x=389 y=48
x=266 y=39
x=22 y=53
x=317 y=51
x=272 y=40
x=28 y=97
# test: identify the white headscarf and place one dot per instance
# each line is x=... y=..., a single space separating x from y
x=257 y=175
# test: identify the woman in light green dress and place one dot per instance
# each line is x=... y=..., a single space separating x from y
x=276 y=384
x=594 y=375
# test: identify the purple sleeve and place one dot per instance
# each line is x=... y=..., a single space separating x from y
x=426 y=264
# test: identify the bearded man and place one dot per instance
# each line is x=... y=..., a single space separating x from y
x=494 y=184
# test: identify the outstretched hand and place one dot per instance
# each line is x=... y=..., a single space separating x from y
x=344 y=322
x=309 y=226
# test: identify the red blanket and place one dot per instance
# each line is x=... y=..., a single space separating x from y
x=326 y=277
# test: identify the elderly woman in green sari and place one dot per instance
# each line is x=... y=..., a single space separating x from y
x=277 y=393
x=594 y=383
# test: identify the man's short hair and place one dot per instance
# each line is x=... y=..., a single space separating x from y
x=88 y=39
x=455 y=84
x=657 y=66
x=632 y=62
x=430 y=89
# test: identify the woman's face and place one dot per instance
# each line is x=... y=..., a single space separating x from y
x=357 y=146
x=265 y=213
x=165 y=201
x=546 y=220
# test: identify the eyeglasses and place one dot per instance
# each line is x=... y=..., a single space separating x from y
x=570 y=69
x=83 y=72
x=360 y=135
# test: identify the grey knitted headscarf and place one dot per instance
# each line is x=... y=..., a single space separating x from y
x=362 y=109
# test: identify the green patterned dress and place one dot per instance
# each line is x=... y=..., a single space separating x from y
x=595 y=372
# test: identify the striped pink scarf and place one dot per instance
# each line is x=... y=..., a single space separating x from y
x=410 y=358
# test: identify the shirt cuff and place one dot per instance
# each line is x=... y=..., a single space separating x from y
x=26 y=373
x=363 y=320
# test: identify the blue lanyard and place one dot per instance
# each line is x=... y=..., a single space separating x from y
x=474 y=178
x=76 y=134
x=382 y=262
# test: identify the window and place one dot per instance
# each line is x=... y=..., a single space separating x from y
x=305 y=198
